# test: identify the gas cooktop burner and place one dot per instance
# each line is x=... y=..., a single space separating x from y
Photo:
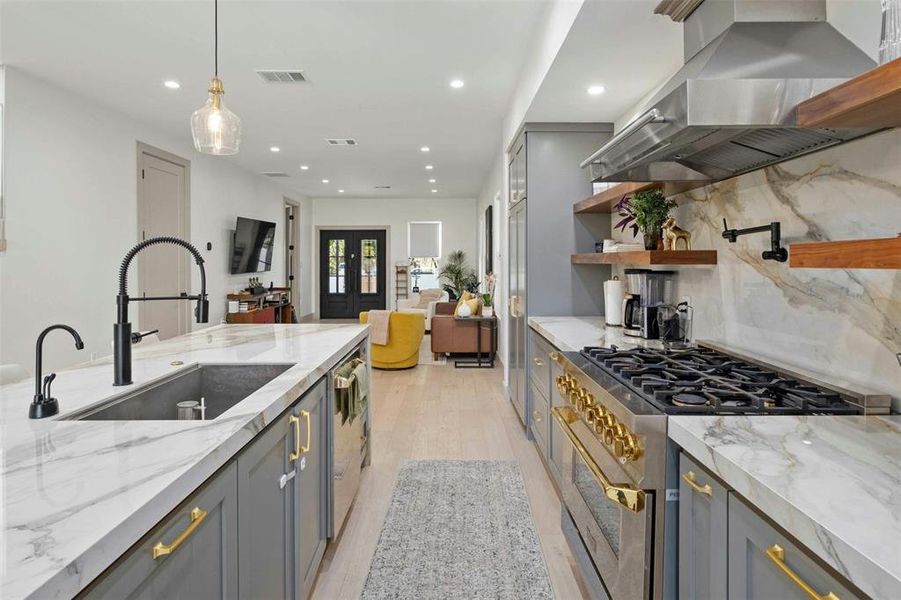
x=704 y=381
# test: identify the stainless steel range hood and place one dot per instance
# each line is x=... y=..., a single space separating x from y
x=730 y=108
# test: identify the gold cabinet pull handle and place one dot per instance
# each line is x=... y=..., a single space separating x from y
x=623 y=494
x=777 y=555
x=693 y=484
x=537 y=362
x=304 y=449
x=293 y=456
x=536 y=416
x=197 y=517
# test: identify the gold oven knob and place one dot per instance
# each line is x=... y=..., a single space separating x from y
x=627 y=447
x=591 y=414
x=603 y=422
x=612 y=432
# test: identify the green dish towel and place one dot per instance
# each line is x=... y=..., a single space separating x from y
x=349 y=401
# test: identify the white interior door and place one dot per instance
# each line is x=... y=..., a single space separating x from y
x=163 y=270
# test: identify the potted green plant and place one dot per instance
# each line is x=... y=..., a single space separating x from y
x=459 y=276
x=645 y=211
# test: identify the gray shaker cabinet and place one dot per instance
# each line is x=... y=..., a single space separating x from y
x=703 y=533
x=267 y=482
x=545 y=180
x=282 y=517
x=766 y=565
x=310 y=516
x=191 y=555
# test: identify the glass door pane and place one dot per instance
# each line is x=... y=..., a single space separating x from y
x=369 y=283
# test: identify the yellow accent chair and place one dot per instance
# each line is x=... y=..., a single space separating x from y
x=405 y=332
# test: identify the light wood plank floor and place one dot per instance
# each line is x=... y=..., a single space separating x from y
x=439 y=412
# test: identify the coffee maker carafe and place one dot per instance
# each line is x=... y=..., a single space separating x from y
x=655 y=290
x=632 y=303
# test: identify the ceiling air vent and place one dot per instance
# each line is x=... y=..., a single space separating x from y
x=282 y=75
x=341 y=141
x=276 y=174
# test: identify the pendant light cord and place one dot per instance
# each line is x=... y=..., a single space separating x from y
x=216 y=37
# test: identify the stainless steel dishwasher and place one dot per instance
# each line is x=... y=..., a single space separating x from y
x=350 y=441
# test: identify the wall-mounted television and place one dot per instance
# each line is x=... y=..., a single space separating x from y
x=252 y=246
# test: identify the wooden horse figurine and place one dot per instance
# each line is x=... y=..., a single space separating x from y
x=673 y=233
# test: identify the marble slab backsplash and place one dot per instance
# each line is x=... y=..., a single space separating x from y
x=842 y=323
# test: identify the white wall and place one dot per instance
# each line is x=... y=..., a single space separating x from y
x=459 y=228
x=71 y=194
x=494 y=193
x=558 y=20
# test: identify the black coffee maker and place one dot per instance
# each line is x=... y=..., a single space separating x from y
x=632 y=313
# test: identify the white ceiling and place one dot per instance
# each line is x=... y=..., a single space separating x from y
x=378 y=71
x=620 y=44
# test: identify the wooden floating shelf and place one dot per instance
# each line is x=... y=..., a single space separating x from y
x=603 y=202
x=882 y=253
x=647 y=257
x=871 y=99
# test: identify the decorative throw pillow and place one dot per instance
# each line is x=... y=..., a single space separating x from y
x=464 y=297
x=472 y=304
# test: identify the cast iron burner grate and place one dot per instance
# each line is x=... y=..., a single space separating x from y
x=704 y=381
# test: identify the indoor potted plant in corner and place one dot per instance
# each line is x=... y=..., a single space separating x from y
x=488 y=297
x=459 y=276
x=645 y=211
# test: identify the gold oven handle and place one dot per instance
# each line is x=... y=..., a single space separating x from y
x=624 y=494
x=306 y=448
x=693 y=484
x=197 y=517
x=777 y=555
x=293 y=456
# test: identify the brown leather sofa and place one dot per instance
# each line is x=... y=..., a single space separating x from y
x=450 y=335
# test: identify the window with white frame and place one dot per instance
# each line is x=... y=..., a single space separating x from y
x=424 y=250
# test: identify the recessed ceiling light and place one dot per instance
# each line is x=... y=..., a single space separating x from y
x=431 y=181
x=429 y=167
x=274 y=149
x=434 y=191
x=595 y=90
x=304 y=168
x=424 y=149
x=340 y=191
x=171 y=84
x=457 y=84
x=325 y=181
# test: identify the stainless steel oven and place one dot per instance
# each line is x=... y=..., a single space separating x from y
x=614 y=516
x=610 y=446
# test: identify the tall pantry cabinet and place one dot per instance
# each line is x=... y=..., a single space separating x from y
x=544 y=181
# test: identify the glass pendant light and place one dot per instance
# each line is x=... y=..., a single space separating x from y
x=216 y=130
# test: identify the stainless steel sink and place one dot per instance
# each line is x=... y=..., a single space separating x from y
x=221 y=387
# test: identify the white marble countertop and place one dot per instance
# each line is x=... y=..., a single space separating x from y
x=77 y=494
x=834 y=483
x=571 y=334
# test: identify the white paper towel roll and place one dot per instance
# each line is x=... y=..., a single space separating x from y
x=613 y=302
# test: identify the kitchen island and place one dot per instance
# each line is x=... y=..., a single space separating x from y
x=831 y=482
x=76 y=495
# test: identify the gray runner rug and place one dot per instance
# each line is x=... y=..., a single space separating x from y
x=458 y=529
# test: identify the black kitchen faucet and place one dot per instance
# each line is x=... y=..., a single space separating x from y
x=43 y=404
x=122 y=336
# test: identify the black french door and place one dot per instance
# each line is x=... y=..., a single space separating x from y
x=352 y=272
